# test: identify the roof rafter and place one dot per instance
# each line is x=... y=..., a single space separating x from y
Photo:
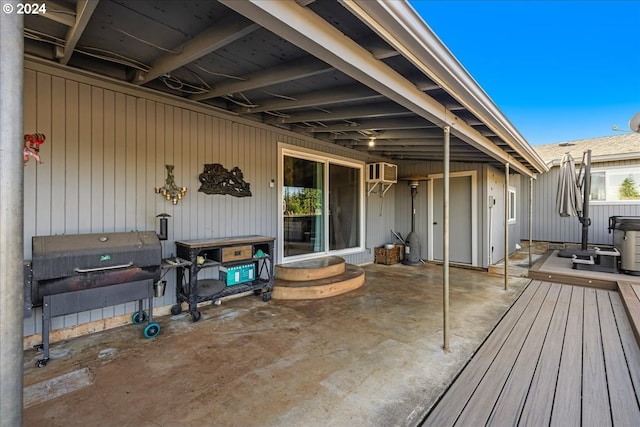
x=311 y=33
x=60 y=14
x=207 y=41
x=417 y=134
x=84 y=10
x=375 y=124
x=341 y=94
x=372 y=110
x=304 y=67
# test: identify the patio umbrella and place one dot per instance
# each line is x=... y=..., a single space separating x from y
x=568 y=198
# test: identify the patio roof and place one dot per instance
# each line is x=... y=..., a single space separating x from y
x=342 y=72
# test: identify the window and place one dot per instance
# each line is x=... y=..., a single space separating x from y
x=615 y=185
x=322 y=204
x=512 y=205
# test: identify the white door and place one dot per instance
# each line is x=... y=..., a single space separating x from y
x=495 y=190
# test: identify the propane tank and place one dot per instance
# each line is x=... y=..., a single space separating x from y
x=412 y=242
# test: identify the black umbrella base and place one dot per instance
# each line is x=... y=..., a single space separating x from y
x=569 y=253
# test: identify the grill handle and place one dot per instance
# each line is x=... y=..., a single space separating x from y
x=91 y=270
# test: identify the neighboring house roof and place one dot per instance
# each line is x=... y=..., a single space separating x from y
x=607 y=148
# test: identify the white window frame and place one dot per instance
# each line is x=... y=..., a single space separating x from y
x=327 y=159
x=511 y=191
x=512 y=211
x=630 y=168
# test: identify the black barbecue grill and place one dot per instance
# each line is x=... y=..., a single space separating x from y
x=73 y=273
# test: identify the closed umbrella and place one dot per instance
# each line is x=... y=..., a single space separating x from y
x=568 y=198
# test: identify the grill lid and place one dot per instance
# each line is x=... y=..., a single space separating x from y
x=61 y=256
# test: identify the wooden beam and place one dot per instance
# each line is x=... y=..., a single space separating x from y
x=320 y=38
x=60 y=14
x=209 y=40
x=375 y=124
x=312 y=99
x=84 y=10
x=371 y=110
x=305 y=67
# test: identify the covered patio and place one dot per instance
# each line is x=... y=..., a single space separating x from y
x=371 y=357
x=124 y=89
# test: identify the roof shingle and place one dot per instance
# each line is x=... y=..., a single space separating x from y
x=603 y=146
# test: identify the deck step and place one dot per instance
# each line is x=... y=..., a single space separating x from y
x=630 y=294
x=312 y=269
x=351 y=278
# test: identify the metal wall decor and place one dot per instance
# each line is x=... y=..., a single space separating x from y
x=216 y=179
x=31 y=146
x=171 y=191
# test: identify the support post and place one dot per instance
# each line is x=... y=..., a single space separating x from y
x=586 y=189
x=530 y=219
x=507 y=206
x=445 y=237
x=11 y=215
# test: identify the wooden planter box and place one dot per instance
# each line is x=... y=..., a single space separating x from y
x=388 y=256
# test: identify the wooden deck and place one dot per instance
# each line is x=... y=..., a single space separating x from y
x=553 y=268
x=563 y=355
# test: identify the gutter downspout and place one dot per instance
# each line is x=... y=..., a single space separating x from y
x=11 y=215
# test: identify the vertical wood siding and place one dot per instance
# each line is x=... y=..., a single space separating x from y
x=549 y=226
x=106 y=151
x=402 y=222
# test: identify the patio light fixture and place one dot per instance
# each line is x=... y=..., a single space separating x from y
x=171 y=191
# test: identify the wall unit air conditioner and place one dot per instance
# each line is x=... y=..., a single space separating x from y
x=381 y=174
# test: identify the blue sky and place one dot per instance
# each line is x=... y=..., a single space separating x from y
x=558 y=70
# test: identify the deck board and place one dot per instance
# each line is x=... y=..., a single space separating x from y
x=454 y=401
x=563 y=355
x=538 y=407
x=514 y=393
x=566 y=402
x=630 y=293
x=595 y=399
x=629 y=344
x=481 y=404
x=624 y=411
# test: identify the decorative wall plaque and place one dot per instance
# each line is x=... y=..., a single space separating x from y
x=216 y=179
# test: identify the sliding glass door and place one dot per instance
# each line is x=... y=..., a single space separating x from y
x=303 y=206
x=322 y=205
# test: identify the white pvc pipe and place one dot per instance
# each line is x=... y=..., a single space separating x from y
x=11 y=215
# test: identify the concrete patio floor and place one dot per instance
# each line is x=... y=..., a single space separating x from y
x=372 y=357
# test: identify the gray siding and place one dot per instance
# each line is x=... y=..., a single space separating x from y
x=549 y=226
x=106 y=149
x=403 y=205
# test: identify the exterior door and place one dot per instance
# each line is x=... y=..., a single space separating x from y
x=461 y=219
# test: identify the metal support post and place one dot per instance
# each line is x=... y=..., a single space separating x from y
x=445 y=236
x=507 y=206
x=11 y=215
x=530 y=219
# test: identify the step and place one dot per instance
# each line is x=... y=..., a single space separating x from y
x=312 y=269
x=352 y=278
x=630 y=295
